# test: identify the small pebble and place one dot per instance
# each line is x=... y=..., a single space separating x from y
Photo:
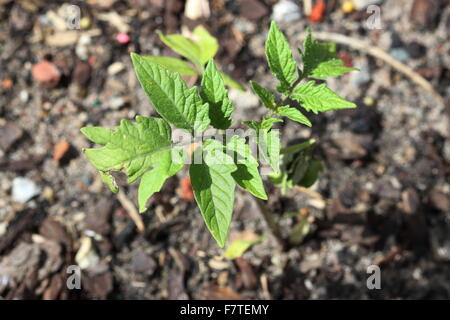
x=317 y=12
x=416 y=50
x=243 y=100
x=253 y=9
x=115 y=68
x=60 y=150
x=82 y=48
x=400 y=54
x=186 y=192
x=348 y=6
x=116 y=102
x=24 y=189
x=424 y=13
x=369 y=101
x=358 y=79
x=286 y=12
x=82 y=73
x=48 y=194
x=46 y=73
x=7 y=83
x=9 y=135
x=362 y=4
x=123 y=38
x=446 y=150
x=218 y=264
x=24 y=96
x=3 y=228
x=85 y=23
x=86 y=256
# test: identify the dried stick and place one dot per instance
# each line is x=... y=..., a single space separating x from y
x=131 y=209
x=307 y=7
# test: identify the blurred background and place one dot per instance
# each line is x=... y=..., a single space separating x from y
x=382 y=200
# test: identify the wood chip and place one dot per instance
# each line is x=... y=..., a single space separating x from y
x=62 y=38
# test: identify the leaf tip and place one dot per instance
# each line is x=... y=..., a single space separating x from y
x=134 y=55
x=83 y=130
x=142 y=209
x=221 y=243
x=273 y=24
x=263 y=196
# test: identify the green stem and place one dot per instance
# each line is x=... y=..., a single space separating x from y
x=271 y=221
x=298 y=147
x=289 y=92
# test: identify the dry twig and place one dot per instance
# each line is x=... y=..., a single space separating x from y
x=131 y=209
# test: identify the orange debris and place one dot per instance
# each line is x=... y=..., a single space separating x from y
x=186 y=192
x=317 y=12
x=60 y=150
x=7 y=83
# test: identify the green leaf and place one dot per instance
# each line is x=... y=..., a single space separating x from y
x=183 y=46
x=247 y=174
x=213 y=188
x=98 y=135
x=133 y=147
x=101 y=136
x=170 y=95
x=268 y=141
x=268 y=123
x=280 y=59
x=255 y=125
x=265 y=125
x=294 y=115
x=319 y=98
x=215 y=94
x=300 y=230
x=297 y=166
x=237 y=247
x=173 y=64
x=265 y=96
x=231 y=82
x=311 y=174
x=207 y=44
x=320 y=60
x=108 y=179
x=330 y=68
x=269 y=147
x=153 y=180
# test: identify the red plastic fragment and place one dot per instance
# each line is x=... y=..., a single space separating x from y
x=122 y=38
x=317 y=12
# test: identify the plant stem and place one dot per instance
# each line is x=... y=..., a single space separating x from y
x=291 y=88
x=298 y=147
x=271 y=221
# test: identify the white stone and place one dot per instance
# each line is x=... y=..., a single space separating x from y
x=82 y=48
x=24 y=189
x=243 y=100
x=286 y=12
x=362 y=4
x=115 y=68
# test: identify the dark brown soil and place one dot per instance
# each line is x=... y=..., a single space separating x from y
x=383 y=198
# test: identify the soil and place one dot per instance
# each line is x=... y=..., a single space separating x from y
x=382 y=200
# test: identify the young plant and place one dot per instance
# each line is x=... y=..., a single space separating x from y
x=145 y=149
x=198 y=49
